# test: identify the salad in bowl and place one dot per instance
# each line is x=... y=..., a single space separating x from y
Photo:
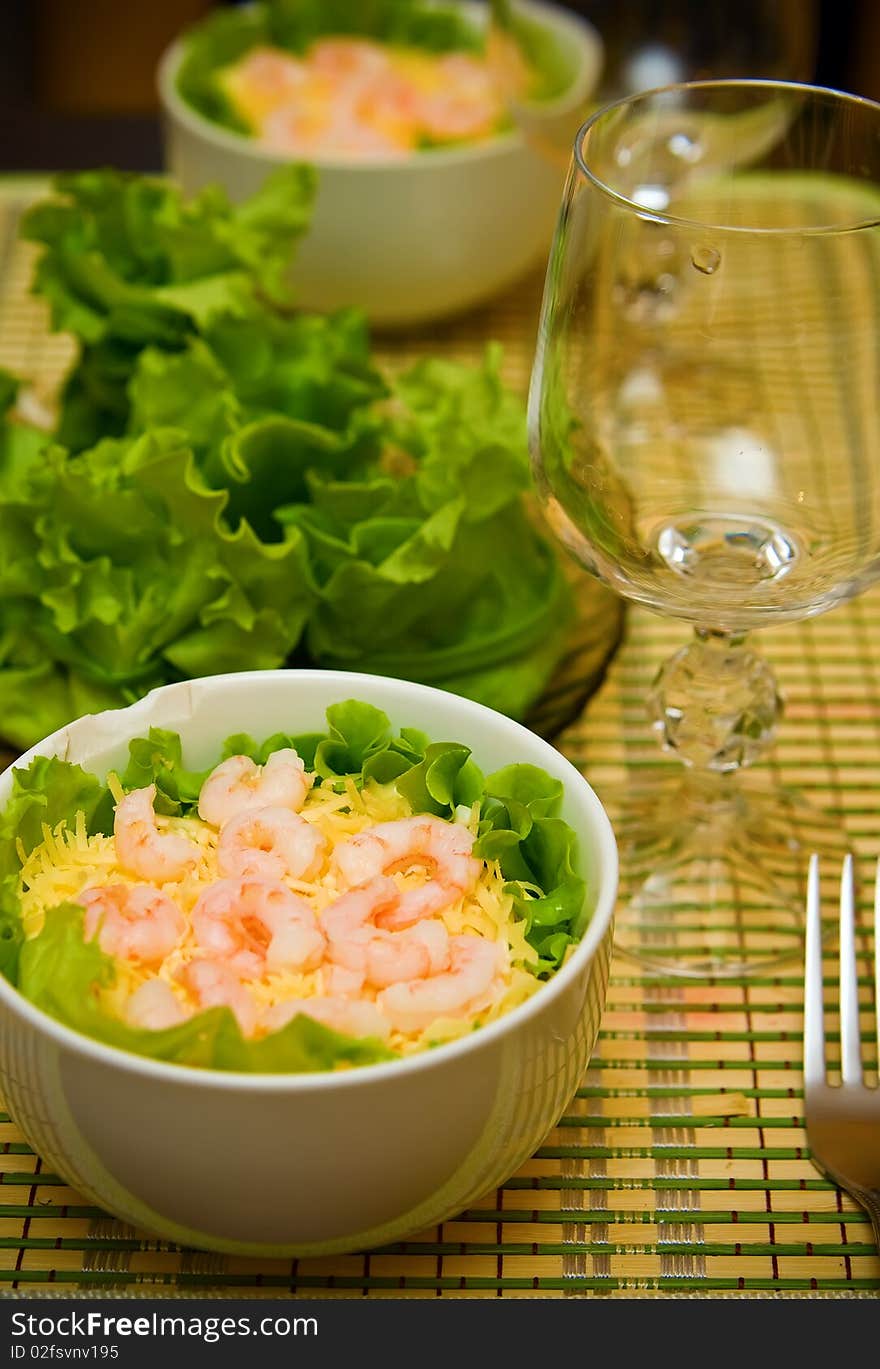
x=308 y=902
x=297 y=961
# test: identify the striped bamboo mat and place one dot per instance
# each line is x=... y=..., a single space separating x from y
x=680 y=1166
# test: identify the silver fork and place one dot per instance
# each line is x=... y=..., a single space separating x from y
x=843 y=1120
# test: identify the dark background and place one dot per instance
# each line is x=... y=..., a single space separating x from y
x=77 y=76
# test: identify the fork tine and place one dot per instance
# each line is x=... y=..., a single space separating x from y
x=814 y=1030
x=850 y=1037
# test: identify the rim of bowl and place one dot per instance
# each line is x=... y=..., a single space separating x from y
x=563 y=21
x=697 y=225
x=360 y=1075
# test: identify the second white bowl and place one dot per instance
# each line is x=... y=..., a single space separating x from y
x=409 y=240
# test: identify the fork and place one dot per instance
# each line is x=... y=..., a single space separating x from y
x=843 y=1120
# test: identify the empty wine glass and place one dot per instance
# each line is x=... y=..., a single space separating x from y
x=705 y=435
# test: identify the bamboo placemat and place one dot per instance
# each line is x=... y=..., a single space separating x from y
x=680 y=1166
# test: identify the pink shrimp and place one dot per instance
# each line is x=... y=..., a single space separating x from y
x=142 y=849
x=341 y=982
x=351 y=60
x=254 y=924
x=155 y=1006
x=467 y=105
x=238 y=784
x=270 y=843
x=350 y=1017
x=379 y=956
x=216 y=985
x=443 y=848
x=271 y=74
x=474 y=964
x=134 y=921
x=395 y=957
x=339 y=132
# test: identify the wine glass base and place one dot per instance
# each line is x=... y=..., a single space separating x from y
x=717 y=889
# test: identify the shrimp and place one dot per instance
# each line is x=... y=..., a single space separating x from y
x=237 y=784
x=466 y=106
x=443 y=848
x=474 y=964
x=381 y=957
x=340 y=982
x=350 y=59
x=155 y=1006
x=257 y=924
x=354 y=911
x=342 y=132
x=142 y=849
x=134 y=921
x=405 y=956
x=216 y=985
x=350 y=1017
x=275 y=75
x=269 y=843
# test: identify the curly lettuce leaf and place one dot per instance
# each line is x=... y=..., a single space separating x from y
x=127 y=255
x=262 y=400
x=454 y=584
x=49 y=791
x=158 y=759
x=128 y=264
x=120 y=568
x=314 y=367
x=442 y=781
x=538 y=854
x=444 y=603
x=20 y=443
x=294 y=24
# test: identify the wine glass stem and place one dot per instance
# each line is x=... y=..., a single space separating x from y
x=715 y=703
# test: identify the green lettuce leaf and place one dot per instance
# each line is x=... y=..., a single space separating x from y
x=443 y=780
x=455 y=586
x=128 y=264
x=538 y=854
x=294 y=24
x=20 y=444
x=158 y=759
x=120 y=567
x=47 y=792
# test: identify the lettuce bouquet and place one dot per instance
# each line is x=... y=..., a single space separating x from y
x=233 y=484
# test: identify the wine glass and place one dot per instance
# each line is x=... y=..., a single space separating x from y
x=705 y=436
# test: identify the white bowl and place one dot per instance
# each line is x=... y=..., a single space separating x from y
x=309 y=1164
x=408 y=240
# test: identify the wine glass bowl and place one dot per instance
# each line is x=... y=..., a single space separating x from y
x=705 y=436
